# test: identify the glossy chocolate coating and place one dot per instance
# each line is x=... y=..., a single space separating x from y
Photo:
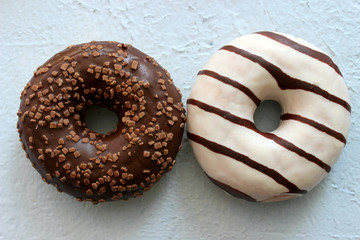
x=94 y=167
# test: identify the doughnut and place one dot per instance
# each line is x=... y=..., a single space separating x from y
x=289 y=161
x=97 y=167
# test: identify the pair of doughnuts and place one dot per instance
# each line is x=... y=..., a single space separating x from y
x=235 y=155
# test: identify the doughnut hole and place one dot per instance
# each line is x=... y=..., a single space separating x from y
x=100 y=114
x=267 y=116
x=101 y=119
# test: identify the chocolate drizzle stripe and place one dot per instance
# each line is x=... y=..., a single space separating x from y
x=318 y=126
x=301 y=48
x=232 y=191
x=285 y=81
x=232 y=83
x=250 y=125
x=220 y=149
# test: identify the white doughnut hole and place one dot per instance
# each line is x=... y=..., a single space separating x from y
x=267 y=116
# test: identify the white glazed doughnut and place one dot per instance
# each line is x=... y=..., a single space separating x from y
x=290 y=160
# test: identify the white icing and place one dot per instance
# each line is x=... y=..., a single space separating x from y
x=295 y=168
x=263 y=85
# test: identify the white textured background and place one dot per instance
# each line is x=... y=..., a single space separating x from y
x=181 y=35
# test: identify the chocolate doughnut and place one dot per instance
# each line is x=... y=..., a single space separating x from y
x=294 y=158
x=100 y=167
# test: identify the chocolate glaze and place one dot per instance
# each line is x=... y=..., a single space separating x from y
x=94 y=167
x=318 y=126
x=303 y=49
x=250 y=125
x=232 y=83
x=285 y=81
x=234 y=192
x=217 y=148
